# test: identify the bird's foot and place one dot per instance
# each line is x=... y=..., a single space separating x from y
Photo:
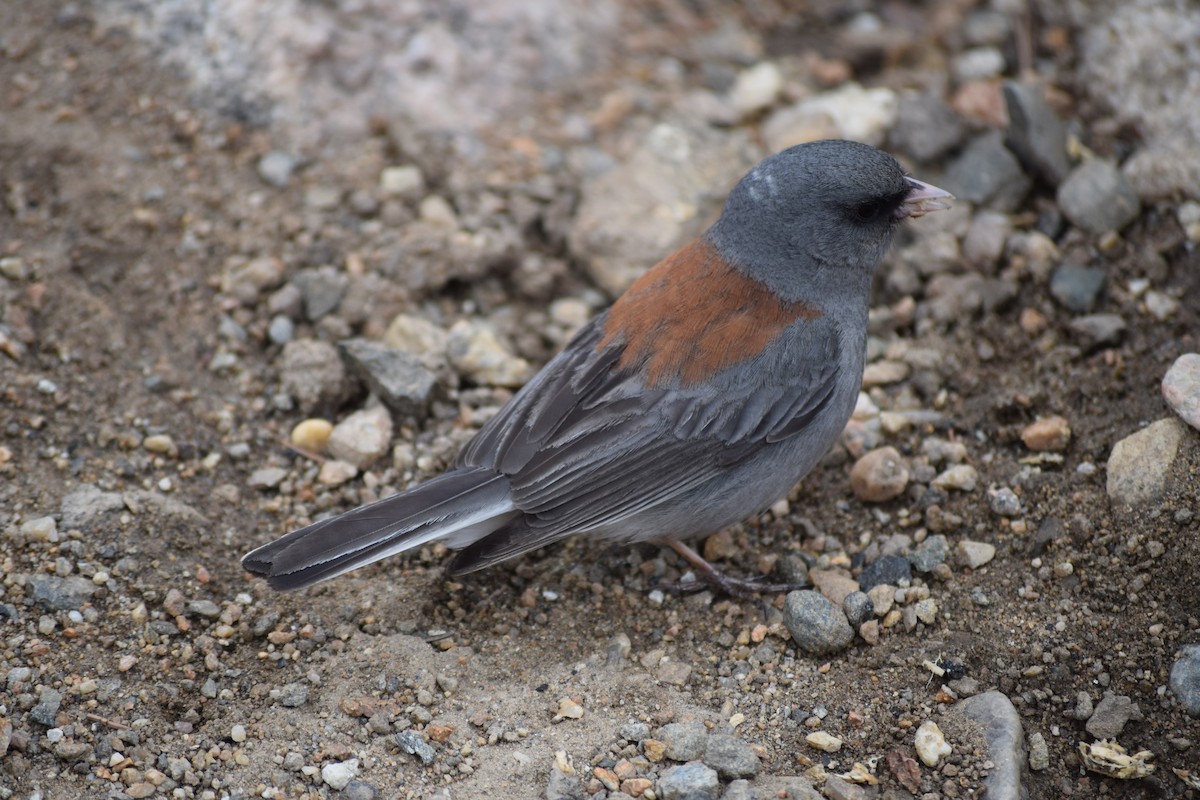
x=709 y=577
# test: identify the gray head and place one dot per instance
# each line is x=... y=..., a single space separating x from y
x=817 y=218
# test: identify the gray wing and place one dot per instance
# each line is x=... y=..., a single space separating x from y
x=585 y=444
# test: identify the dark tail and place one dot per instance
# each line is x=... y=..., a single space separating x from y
x=456 y=508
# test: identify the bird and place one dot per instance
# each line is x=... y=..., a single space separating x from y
x=701 y=396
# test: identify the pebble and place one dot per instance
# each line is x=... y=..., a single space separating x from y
x=1036 y=133
x=691 y=781
x=362 y=438
x=238 y=733
x=83 y=507
x=55 y=593
x=972 y=554
x=276 y=168
x=926 y=610
x=247 y=281
x=339 y=774
x=292 y=695
x=266 y=477
x=1083 y=706
x=399 y=378
x=1185 y=679
x=412 y=743
x=883 y=597
x=931 y=744
x=817 y=626
x=1181 y=388
x=684 y=741
x=986 y=173
x=738 y=790
x=322 y=289
x=977 y=63
x=1161 y=306
x=312 y=372
x=1039 y=752
x=1003 y=501
x=880 y=475
x=731 y=757
x=1097 y=198
x=72 y=751
x=47 y=707
x=40 y=529
x=926 y=128
x=834 y=585
x=884 y=373
x=569 y=709
x=281 y=330
x=1001 y=724
x=888 y=569
x=359 y=790
x=312 y=434
x=1139 y=464
x=1098 y=330
x=1049 y=434
x=858 y=608
x=962 y=477
x=405 y=181
x=848 y=112
x=1111 y=715
x=755 y=89
x=984 y=242
x=476 y=352
x=1077 y=288
x=825 y=742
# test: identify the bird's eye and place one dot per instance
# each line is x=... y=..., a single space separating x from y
x=868 y=211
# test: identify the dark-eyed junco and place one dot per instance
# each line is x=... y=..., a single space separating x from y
x=703 y=394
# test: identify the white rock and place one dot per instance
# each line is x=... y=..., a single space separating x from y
x=962 y=477
x=402 y=181
x=362 y=437
x=848 y=112
x=339 y=774
x=1181 y=388
x=756 y=88
x=476 y=352
x=931 y=745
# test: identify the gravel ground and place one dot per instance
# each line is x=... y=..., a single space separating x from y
x=257 y=269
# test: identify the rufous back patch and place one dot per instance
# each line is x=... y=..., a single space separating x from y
x=692 y=315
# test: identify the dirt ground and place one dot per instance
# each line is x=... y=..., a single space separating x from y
x=126 y=200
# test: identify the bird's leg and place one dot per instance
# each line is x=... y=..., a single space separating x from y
x=708 y=574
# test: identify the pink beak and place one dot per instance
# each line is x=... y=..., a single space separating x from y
x=923 y=199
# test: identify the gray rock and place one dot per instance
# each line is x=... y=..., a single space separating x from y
x=1005 y=740
x=926 y=128
x=1039 y=752
x=1098 y=330
x=312 y=372
x=691 y=781
x=634 y=731
x=47 y=707
x=1185 y=679
x=1139 y=464
x=359 y=790
x=1098 y=198
x=322 y=289
x=858 y=608
x=281 y=329
x=1111 y=714
x=293 y=695
x=1083 y=706
x=836 y=788
x=731 y=757
x=1003 y=501
x=929 y=553
x=793 y=787
x=83 y=506
x=204 y=608
x=740 y=790
x=817 y=626
x=1036 y=133
x=987 y=173
x=398 y=378
x=685 y=741
x=276 y=168
x=983 y=244
x=562 y=786
x=890 y=569
x=266 y=477
x=639 y=211
x=1181 y=388
x=412 y=743
x=1076 y=287
x=53 y=593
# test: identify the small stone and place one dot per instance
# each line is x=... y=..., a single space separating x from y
x=1051 y=434
x=1077 y=288
x=931 y=744
x=266 y=478
x=412 y=743
x=1139 y=464
x=817 y=626
x=858 y=608
x=1160 y=305
x=885 y=373
x=1098 y=330
x=72 y=751
x=312 y=372
x=984 y=242
x=402 y=181
x=418 y=336
x=335 y=472
x=359 y=790
x=47 y=707
x=1001 y=724
x=238 y=733
x=962 y=477
x=926 y=610
x=755 y=89
x=1097 y=197
x=986 y=173
x=475 y=351
x=823 y=741
x=978 y=63
x=929 y=553
x=339 y=774
x=1039 y=752
x=1004 y=502
x=204 y=608
x=731 y=757
x=322 y=289
x=40 y=529
x=1181 y=388
x=974 y=555
x=276 y=168
x=880 y=475
x=888 y=569
x=54 y=593
x=569 y=709
x=1185 y=679
x=293 y=695
x=926 y=127
x=1036 y=133
x=248 y=281
x=312 y=435
x=883 y=597
x=1083 y=706
x=691 y=781
x=684 y=741
x=363 y=437
x=1111 y=714
x=833 y=584
x=399 y=378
